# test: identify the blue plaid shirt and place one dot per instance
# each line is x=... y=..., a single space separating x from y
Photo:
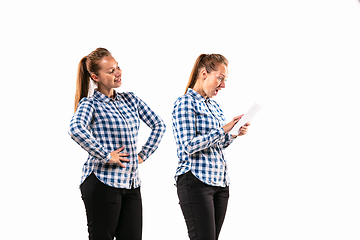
x=101 y=125
x=200 y=139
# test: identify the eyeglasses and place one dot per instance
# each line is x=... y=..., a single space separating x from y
x=221 y=79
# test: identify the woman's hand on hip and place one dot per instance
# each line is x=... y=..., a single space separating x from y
x=117 y=157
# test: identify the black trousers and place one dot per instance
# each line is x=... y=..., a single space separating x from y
x=203 y=206
x=111 y=212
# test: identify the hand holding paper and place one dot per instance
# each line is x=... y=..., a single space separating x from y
x=244 y=129
x=245 y=118
x=227 y=128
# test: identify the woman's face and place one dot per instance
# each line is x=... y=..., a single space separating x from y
x=109 y=75
x=215 y=81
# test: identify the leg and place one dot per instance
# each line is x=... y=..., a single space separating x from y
x=102 y=204
x=130 y=220
x=220 y=204
x=196 y=202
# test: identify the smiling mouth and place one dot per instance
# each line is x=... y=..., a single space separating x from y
x=118 y=80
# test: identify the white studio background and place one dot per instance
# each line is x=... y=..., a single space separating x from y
x=294 y=176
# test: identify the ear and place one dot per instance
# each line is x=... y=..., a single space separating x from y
x=203 y=74
x=94 y=77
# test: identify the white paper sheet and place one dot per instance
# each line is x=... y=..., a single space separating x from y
x=246 y=118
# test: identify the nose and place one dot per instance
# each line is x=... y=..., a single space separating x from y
x=118 y=72
x=222 y=84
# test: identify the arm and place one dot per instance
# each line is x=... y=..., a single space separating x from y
x=79 y=132
x=230 y=138
x=152 y=120
x=184 y=123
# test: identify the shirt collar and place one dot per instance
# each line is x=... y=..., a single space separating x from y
x=103 y=98
x=197 y=95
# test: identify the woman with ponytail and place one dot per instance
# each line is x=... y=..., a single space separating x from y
x=201 y=134
x=106 y=125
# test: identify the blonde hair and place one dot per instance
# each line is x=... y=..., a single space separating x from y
x=207 y=61
x=88 y=65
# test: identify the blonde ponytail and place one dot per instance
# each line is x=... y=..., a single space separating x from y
x=82 y=82
x=194 y=73
x=207 y=61
x=88 y=65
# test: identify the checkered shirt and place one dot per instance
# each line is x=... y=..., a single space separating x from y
x=101 y=125
x=200 y=139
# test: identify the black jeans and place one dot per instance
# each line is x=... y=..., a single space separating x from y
x=203 y=206
x=111 y=212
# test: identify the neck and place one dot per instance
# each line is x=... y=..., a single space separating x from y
x=200 y=90
x=107 y=92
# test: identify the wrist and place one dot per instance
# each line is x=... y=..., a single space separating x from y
x=107 y=158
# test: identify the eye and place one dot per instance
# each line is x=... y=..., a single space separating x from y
x=113 y=70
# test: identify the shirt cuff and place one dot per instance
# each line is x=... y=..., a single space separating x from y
x=105 y=160
x=142 y=155
x=222 y=132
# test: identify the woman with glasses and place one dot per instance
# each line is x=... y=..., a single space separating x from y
x=201 y=135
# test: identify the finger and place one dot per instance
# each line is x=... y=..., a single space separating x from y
x=247 y=124
x=242 y=134
x=238 y=117
x=120 y=149
x=124 y=154
x=121 y=165
x=243 y=128
x=243 y=131
x=124 y=159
